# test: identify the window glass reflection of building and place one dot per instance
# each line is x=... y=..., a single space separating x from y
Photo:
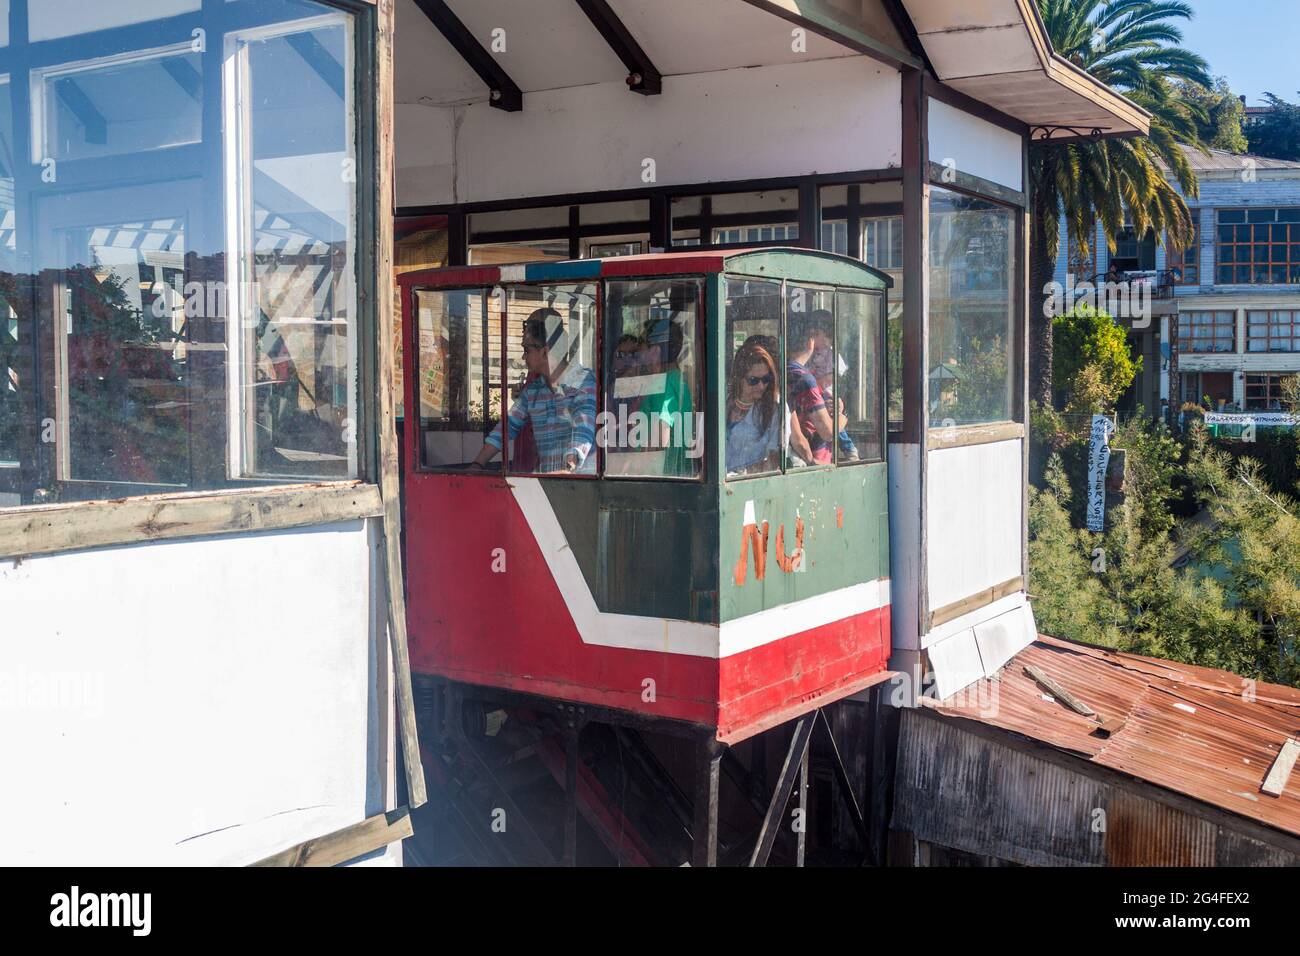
x=178 y=304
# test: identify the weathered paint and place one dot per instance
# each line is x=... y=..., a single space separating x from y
x=637 y=594
x=977 y=794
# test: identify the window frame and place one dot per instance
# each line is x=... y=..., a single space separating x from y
x=1292 y=340
x=785 y=350
x=943 y=436
x=1290 y=242
x=597 y=371
x=882 y=388
x=1188 y=260
x=1272 y=382
x=702 y=362
x=500 y=469
x=256 y=503
x=1213 y=324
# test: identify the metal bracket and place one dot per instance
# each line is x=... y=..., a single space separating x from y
x=1046 y=133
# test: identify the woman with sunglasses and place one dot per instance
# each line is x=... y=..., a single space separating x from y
x=753 y=422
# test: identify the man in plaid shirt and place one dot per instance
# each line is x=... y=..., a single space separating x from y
x=559 y=401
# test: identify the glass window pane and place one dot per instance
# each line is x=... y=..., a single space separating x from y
x=551 y=400
x=858 y=384
x=810 y=377
x=458 y=367
x=503 y=252
x=52 y=19
x=756 y=416
x=972 y=262
x=120 y=104
x=297 y=335
x=653 y=425
x=187 y=322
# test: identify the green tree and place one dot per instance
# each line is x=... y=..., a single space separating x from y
x=1276 y=134
x=1232 y=601
x=1090 y=347
x=1130 y=45
x=1224 y=114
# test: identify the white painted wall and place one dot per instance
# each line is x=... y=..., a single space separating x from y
x=974 y=498
x=791 y=119
x=209 y=701
x=975 y=146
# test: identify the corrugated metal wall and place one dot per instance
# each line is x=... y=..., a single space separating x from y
x=962 y=790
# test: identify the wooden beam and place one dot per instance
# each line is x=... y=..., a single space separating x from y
x=642 y=75
x=346 y=844
x=817 y=16
x=949 y=178
x=503 y=92
x=88 y=115
x=386 y=419
x=1059 y=692
x=959 y=436
x=974 y=602
x=48 y=529
x=1280 y=772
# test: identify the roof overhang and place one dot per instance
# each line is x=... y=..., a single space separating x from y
x=998 y=52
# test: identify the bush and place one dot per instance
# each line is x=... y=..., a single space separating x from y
x=1090 y=359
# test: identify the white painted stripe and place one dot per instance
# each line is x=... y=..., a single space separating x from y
x=512 y=274
x=634 y=632
x=755 y=630
x=596 y=626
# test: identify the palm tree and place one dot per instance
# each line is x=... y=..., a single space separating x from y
x=1132 y=46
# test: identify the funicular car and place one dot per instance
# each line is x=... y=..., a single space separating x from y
x=684 y=517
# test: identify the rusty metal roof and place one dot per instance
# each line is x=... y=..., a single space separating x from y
x=1205 y=733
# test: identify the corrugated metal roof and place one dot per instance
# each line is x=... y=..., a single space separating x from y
x=1205 y=733
x=1221 y=159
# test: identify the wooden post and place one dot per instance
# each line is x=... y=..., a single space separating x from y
x=705 y=833
x=389 y=482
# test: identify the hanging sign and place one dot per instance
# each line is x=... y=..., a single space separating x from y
x=1258 y=419
x=1098 y=465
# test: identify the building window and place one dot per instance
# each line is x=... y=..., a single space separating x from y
x=766 y=216
x=1207 y=331
x=1133 y=254
x=1258 y=247
x=772 y=232
x=1264 y=392
x=882 y=243
x=531 y=234
x=1273 y=331
x=190 y=318
x=972 y=310
x=1185 y=264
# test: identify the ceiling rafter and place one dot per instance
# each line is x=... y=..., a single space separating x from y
x=503 y=92
x=642 y=75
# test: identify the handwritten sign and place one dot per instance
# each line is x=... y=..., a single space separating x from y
x=1098 y=465
x=1258 y=419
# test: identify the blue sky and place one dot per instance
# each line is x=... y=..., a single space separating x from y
x=1254 y=43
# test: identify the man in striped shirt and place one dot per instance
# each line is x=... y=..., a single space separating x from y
x=559 y=401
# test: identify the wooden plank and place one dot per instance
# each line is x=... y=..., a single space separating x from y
x=968 y=182
x=389 y=480
x=48 y=529
x=1280 y=772
x=1112 y=726
x=960 y=436
x=346 y=844
x=1059 y=692
x=973 y=602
